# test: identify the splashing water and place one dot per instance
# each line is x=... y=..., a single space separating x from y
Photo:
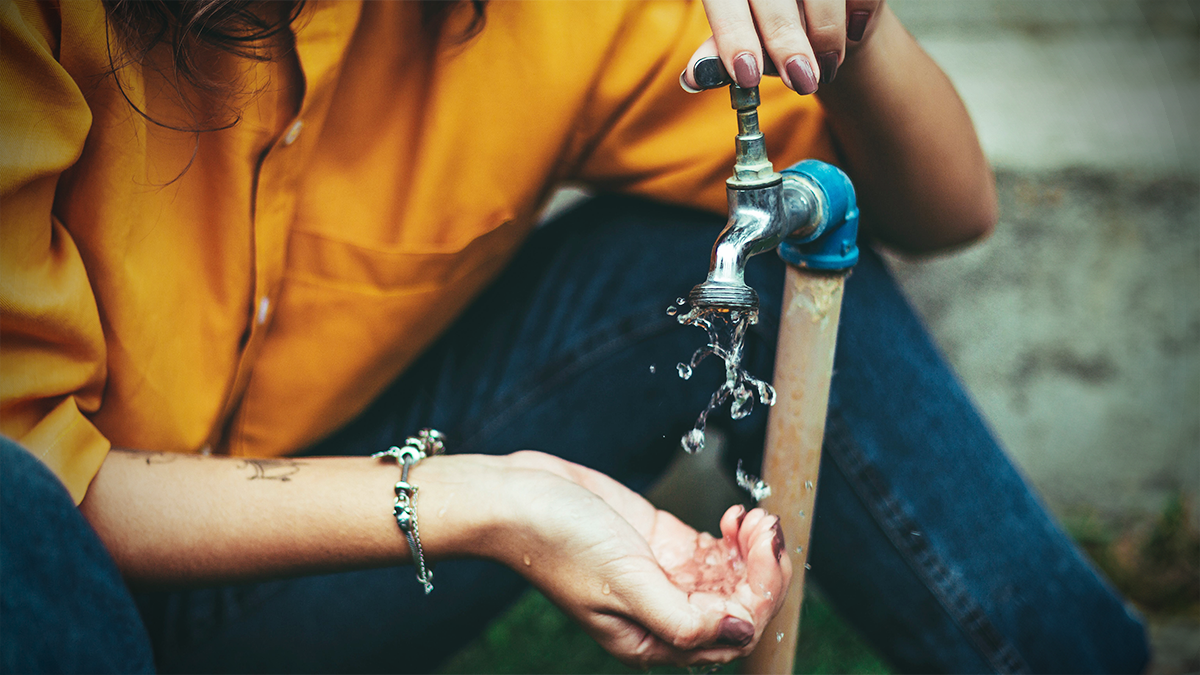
x=757 y=487
x=739 y=385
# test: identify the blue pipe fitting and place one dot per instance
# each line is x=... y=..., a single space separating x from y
x=833 y=245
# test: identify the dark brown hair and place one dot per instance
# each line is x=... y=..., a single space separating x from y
x=241 y=28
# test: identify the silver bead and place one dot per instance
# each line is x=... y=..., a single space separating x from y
x=404 y=519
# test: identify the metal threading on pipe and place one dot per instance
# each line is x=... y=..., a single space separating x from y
x=723 y=296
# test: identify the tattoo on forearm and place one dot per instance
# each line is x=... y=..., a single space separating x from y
x=150 y=457
x=272 y=469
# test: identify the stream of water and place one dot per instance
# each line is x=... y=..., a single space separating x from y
x=726 y=338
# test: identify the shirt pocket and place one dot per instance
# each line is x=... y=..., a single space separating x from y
x=315 y=258
x=350 y=319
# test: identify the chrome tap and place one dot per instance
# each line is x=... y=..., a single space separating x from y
x=768 y=208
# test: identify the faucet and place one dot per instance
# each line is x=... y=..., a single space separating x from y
x=807 y=211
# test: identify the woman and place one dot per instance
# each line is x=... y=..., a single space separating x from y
x=246 y=245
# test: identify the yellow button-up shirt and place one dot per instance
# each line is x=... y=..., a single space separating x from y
x=249 y=290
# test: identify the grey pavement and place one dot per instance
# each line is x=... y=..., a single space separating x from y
x=1077 y=325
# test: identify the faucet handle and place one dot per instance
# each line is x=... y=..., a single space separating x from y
x=710 y=73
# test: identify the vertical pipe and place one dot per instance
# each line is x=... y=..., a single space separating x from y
x=812 y=303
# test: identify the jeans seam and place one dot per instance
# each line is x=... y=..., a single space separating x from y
x=591 y=350
x=890 y=515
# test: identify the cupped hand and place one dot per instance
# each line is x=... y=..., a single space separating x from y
x=805 y=39
x=647 y=587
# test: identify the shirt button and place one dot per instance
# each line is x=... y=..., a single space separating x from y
x=293 y=132
x=264 y=306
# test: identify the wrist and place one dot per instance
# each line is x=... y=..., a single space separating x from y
x=460 y=514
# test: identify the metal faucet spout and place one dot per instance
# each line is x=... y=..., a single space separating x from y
x=760 y=218
x=754 y=218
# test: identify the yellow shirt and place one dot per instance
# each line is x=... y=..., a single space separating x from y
x=250 y=290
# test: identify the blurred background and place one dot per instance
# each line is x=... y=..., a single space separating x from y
x=1076 y=326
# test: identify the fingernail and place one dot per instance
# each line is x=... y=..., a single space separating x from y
x=801 y=75
x=777 y=543
x=742 y=517
x=857 y=25
x=828 y=61
x=684 y=85
x=735 y=632
x=745 y=70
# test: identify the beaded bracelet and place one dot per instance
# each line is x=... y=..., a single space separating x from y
x=427 y=443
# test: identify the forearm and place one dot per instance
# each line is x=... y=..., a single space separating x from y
x=909 y=145
x=183 y=519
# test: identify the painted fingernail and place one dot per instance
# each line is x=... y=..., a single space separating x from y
x=735 y=632
x=801 y=75
x=777 y=543
x=684 y=85
x=828 y=61
x=856 y=26
x=745 y=70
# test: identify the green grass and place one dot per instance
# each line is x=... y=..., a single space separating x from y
x=535 y=637
x=1154 y=564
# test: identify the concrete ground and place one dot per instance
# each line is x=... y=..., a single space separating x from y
x=1077 y=324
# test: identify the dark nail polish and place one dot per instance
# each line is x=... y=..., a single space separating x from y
x=745 y=70
x=829 y=65
x=856 y=26
x=801 y=74
x=735 y=632
x=777 y=543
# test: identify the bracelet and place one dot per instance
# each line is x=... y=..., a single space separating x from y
x=427 y=443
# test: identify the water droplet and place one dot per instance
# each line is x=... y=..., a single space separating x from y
x=801 y=513
x=680 y=301
x=808 y=485
x=605 y=589
x=779 y=637
x=685 y=371
x=799 y=549
x=653 y=370
x=743 y=403
x=766 y=392
x=527 y=560
x=807 y=566
x=758 y=489
x=672 y=310
x=441 y=512
x=768 y=594
x=915 y=533
x=693 y=441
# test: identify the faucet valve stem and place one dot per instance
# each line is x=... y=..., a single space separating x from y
x=751 y=167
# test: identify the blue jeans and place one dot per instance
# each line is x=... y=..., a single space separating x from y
x=926 y=538
x=63 y=605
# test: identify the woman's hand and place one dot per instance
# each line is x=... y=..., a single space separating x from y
x=805 y=39
x=903 y=134
x=647 y=587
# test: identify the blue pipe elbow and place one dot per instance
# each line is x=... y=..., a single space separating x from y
x=834 y=243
